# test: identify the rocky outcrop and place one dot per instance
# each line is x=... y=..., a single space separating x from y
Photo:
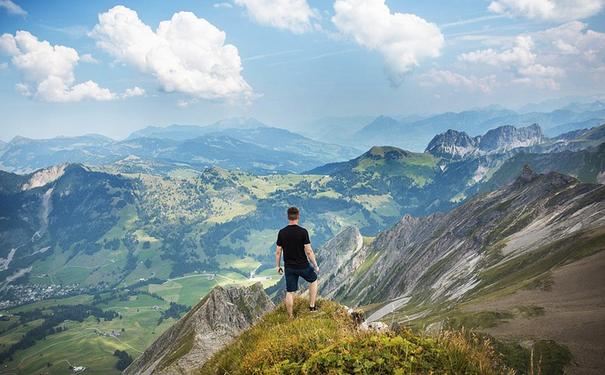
x=338 y=259
x=506 y=138
x=452 y=144
x=457 y=145
x=207 y=327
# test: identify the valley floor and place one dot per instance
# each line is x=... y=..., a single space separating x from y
x=91 y=343
x=574 y=313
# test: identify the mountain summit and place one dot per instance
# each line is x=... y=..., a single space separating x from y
x=455 y=144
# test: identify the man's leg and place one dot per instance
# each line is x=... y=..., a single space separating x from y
x=289 y=300
x=312 y=293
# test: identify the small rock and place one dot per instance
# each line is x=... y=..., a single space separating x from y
x=357 y=315
x=434 y=328
x=374 y=326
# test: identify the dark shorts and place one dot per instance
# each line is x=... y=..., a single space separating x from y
x=292 y=275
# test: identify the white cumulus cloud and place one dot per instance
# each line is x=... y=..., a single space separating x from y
x=135 y=91
x=12 y=8
x=185 y=54
x=403 y=39
x=88 y=58
x=54 y=89
x=293 y=15
x=446 y=77
x=575 y=40
x=552 y=10
x=575 y=48
x=48 y=70
x=521 y=60
x=222 y=5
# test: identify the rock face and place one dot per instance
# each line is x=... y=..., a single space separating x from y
x=209 y=326
x=457 y=145
x=446 y=257
x=338 y=258
x=452 y=144
x=506 y=138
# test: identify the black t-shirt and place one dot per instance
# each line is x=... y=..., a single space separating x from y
x=293 y=239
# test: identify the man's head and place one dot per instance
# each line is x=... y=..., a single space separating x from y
x=293 y=214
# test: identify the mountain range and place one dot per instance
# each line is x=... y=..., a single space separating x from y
x=243 y=144
x=506 y=250
x=414 y=132
x=439 y=272
x=250 y=145
x=421 y=238
x=179 y=219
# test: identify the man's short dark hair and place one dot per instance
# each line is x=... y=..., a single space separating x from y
x=293 y=213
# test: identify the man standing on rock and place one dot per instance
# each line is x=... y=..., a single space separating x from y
x=293 y=241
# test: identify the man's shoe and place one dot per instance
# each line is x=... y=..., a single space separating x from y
x=313 y=308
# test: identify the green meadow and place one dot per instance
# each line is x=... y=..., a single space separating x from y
x=91 y=344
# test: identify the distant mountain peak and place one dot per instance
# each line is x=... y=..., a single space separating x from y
x=455 y=144
x=387 y=152
x=45 y=176
x=239 y=123
x=452 y=143
x=508 y=137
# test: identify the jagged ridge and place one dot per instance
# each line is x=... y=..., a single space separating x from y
x=207 y=327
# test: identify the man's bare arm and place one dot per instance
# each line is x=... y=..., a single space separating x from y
x=278 y=251
x=311 y=256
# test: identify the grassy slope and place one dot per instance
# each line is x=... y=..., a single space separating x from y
x=328 y=342
x=529 y=271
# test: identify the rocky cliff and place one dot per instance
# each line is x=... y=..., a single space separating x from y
x=338 y=258
x=457 y=144
x=446 y=257
x=209 y=326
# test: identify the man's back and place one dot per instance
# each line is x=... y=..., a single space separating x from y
x=292 y=239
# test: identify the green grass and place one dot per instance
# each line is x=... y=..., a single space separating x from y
x=246 y=264
x=367 y=263
x=191 y=288
x=328 y=342
x=379 y=205
x=549 y=357
x=526 y=270
x=257 y=242
x=11 y=336
x=81 y=345
x=184 y=348
x=419 y=167
x=543 y=282
x=74 y=300
x=187 y=290
x=478 y=320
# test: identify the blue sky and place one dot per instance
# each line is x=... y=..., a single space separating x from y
x=287 y=63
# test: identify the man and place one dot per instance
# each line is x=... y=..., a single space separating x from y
x=293 y=241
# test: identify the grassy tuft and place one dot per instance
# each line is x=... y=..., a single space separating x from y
x=275 y=339
x=548 y=357
x=328 y=342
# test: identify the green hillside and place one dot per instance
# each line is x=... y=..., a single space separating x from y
x=328 y=342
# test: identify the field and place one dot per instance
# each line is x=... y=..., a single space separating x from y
x=92 y=343
x=89 y=343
